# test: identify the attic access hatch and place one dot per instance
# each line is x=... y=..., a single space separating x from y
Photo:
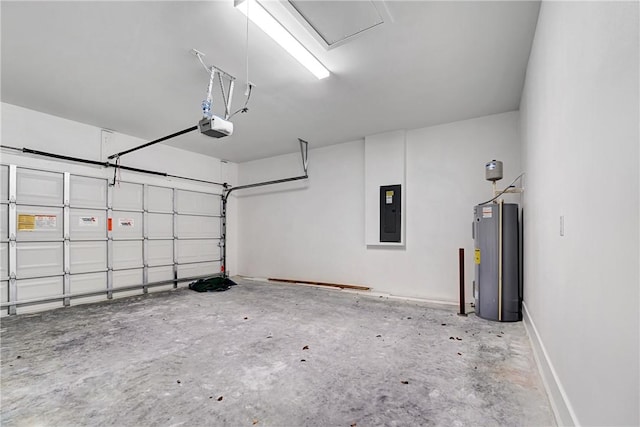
x=334 y=23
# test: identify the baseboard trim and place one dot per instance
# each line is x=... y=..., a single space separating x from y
x=562 y=409
x=369 y=293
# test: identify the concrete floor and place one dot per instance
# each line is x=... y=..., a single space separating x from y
x=267 y=355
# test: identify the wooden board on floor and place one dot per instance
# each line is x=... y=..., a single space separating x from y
x=333 y=285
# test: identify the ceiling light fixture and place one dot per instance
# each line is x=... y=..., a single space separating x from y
x=277 y=32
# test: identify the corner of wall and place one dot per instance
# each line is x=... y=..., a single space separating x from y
x=557 y=396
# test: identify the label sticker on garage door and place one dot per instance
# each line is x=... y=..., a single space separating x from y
x=487 y=212
x=125 y=222
x=36 y=222
x=477 y=256
x=88 y=221
x=26 y=222
x=46 y=221
x=389 y=197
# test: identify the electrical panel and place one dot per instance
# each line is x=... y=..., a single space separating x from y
x=391 y=213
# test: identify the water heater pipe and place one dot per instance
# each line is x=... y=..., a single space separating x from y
x=500 y=261
x=497 y=192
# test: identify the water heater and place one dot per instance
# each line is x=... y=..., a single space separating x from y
x=497 y=290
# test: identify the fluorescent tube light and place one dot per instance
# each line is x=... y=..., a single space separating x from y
x=276 y=31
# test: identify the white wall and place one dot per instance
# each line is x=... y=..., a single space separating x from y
x=315 y=230
x=580 y=152
x=385 y=158
x=22 y=127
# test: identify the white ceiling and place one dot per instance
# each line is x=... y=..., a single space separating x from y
x=126 y=66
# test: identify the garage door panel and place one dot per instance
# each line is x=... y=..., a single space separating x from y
x=80 y=283
x=199 y=269
x=4 y=291
x=88 y=192
x=127 y=225
x=127 y=278
x=127 y=254
x=39 y=259
x=39 y=187
x=88 y=257
x=39 y=288
x=192 y=202
x=4 y=223
x=37 y=223
x=160 y=226
x=4 y=261
x=160 y=252
x=197 y=250
x=4 y=297
x=156 y=274
x=127 y=197
x=87 y=224
x=160 y=199
x=4 y=183
x=189 y=226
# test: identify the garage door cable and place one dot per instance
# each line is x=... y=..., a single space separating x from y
x=105 y=164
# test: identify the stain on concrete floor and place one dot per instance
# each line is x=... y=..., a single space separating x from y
x=235 y=358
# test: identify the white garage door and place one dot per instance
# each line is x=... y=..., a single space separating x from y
x=4 y=235
x=64 y=235
x=197 y=231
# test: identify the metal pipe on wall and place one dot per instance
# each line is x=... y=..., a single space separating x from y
x=461 y=273
x=500 y=260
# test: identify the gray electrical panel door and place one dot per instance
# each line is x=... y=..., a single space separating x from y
x=491 y=303
x=390 y=213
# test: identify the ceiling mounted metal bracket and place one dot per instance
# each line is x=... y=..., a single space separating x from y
x=304 y=152
x=207 y=104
